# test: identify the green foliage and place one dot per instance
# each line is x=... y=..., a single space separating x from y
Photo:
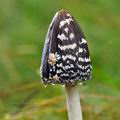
x=23 y=26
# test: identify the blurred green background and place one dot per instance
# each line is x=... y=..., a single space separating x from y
x=23 y=26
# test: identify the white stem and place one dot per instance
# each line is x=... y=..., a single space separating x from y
x=73 y=102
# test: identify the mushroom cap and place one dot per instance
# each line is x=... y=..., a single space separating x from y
x=65 y=58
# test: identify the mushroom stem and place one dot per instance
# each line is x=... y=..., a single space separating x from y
x=73 y=102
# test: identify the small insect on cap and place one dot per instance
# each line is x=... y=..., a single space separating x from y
x=65 y=58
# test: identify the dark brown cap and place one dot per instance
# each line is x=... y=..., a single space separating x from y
x=66 y=58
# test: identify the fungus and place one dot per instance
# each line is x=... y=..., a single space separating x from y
x=66 y=59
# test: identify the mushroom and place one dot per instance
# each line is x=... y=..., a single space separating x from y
x=66 y=59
